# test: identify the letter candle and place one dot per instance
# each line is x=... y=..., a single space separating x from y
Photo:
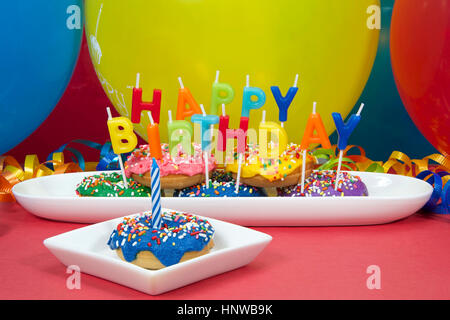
x=221 y=93
x=283 y=103
x=247 y=102
x=123 y=139
x=344 y=131
x=137 y=105
x=226 y=133
x=315 y=124
x=185 y=97
x=267 y=128
x=179 y=131
x=205 y=124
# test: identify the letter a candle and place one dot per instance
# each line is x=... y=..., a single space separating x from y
x=185 y=98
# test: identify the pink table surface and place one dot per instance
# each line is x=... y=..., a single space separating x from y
x=300 y=263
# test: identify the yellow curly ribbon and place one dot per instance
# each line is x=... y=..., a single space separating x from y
x=397 y=163
x=11 y=172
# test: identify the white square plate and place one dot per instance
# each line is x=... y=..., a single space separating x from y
x=87 y=248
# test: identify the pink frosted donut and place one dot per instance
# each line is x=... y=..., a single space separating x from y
x=180 y=170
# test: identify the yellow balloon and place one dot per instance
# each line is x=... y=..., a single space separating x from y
x=330 y=44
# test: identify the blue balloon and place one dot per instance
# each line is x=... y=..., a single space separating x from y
x=41 y=41
x=385 y=124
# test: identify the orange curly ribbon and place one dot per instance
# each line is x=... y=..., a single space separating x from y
x=11 y=172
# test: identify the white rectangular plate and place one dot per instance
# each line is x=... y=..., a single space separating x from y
x=86 y=248
x=391 y=197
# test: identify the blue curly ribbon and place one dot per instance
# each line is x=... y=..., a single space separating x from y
x=108 y=160
x=439 y=201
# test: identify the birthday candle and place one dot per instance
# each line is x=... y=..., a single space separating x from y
x=315 y=124
x=180 y=132
x=205 y=124
x=344 y=131
x=226 y=133
x=284 y=103
x=154 y=142
x=123 y=139
x=222 y=93
x=185 y=98
x=137 y=105
x=266 y=128
x=156 y=195
x=247 y=102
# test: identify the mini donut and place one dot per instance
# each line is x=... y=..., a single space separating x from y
x=181 y=237
x=178 y=172
x=266 y=173
x=321 y=184
x=220 y=189
x=110 y=184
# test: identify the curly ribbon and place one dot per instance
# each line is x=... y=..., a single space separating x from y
x=399 y=163
x=11 y=172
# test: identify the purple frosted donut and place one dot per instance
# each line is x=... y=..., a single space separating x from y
x=321 y=184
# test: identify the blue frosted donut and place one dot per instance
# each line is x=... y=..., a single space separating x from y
x=181 y=237
x=220 y=189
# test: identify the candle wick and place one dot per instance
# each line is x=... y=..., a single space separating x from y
x=108 y=110
x=150 y=118
x=263 y=116
x=314 y=107
x=248 y=80
x=181 y=82
x=137 y=79
x=203 y=110
x=170 y=115
x=360 y=109
x=223 y=109
x=296 y=80
x=217 y=76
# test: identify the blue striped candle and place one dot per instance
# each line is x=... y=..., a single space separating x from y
x=156 y=195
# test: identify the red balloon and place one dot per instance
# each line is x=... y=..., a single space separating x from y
x=420 y=54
